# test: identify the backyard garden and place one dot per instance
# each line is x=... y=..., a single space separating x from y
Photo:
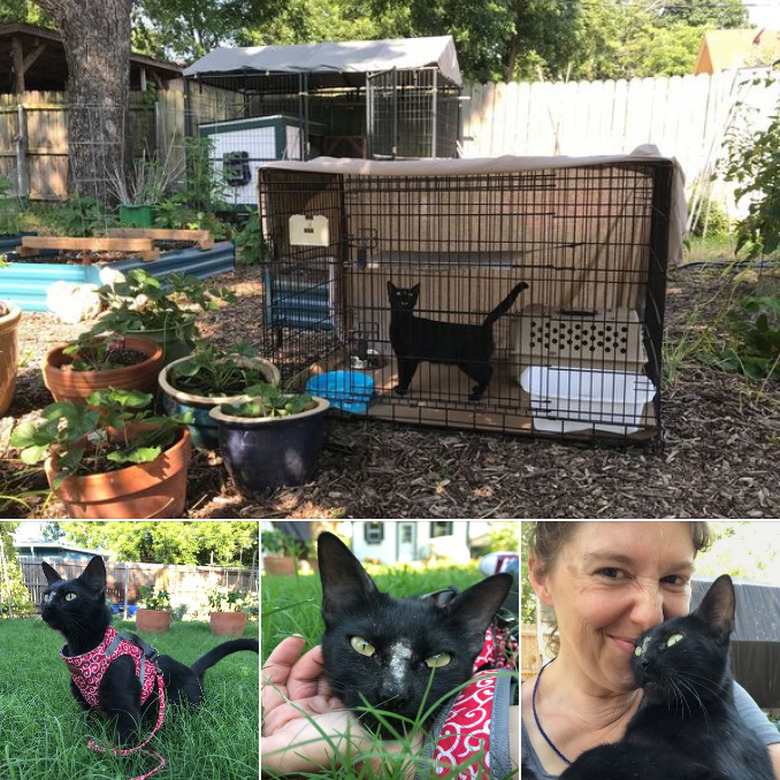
x=719 y=395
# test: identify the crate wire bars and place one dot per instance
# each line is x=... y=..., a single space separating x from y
x=578 y=353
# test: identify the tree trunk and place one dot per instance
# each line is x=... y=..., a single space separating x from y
x=96 y=37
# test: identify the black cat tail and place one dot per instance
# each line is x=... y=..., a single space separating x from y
x=221 y=651
x=505 y=305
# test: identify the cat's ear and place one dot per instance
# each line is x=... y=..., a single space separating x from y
x=49 y=573
x=391 y=288
x=416 y=289
x=718 y=607
x=477 y=605
x=94 y=576
x=343 y=578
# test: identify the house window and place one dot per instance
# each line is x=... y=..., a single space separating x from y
x=406 y=533
x=441 y=528
x=374 y=533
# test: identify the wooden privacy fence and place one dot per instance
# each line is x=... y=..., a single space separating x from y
x=530 y=657
x=186 y=584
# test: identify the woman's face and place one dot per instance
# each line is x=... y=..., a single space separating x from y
x=611 y=582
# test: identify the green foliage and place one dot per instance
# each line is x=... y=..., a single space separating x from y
x=98 y=437
x=10 y=208
x=250 y=242
x=212 y=371
x=151 y=598
x=224 y=600
x=95 y=353
x=754 y=164
x=82 y=215
x=741 y=549
x=502 y=537
x=266 y=400
x=143 y=302
x=527 y=595
x=227 y=543
x=14 y=596
x=752 y=347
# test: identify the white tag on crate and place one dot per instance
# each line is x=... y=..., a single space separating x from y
x=309 y=231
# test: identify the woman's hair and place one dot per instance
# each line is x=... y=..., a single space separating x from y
x=548 y=537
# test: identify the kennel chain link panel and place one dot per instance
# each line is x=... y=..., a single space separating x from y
x=577 y=353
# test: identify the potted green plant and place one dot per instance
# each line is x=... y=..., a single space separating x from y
x=10 y=316
x=110 y=458
x=162 y=310
x=155 y=615
x=208 y=377
x=270 y=438
x=73 y=371
x=280 y=552
x=227 y=617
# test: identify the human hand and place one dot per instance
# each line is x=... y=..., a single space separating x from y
x=304 y=724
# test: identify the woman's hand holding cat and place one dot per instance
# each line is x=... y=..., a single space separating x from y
x=298 y=709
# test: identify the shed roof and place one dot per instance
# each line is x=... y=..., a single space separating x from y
x=48 y=69
x=347 y=57
x=725 y=49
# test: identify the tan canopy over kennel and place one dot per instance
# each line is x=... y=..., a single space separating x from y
x=579 y=352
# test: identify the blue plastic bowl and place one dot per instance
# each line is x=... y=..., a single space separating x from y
x=350 y=391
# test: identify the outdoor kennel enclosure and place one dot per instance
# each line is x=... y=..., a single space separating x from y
x=578 y=353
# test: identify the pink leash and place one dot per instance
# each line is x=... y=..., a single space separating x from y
x=98 y=748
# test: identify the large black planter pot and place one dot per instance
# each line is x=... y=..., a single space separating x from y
x=265 y=453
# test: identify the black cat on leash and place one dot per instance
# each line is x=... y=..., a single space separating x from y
x=469 y=347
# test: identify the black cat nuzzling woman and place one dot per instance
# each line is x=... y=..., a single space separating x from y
x=687 y=726
x=77 y=608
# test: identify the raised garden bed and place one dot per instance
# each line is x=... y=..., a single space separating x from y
x=26 y=279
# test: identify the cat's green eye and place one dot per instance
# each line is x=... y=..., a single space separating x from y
x=637 y=651
x=437 y=660
x=673 y=639
x=363 y=646
x=70 y=596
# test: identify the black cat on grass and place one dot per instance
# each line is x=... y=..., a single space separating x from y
x=77 y=608
x=687 y=727
x=384 y=650
x=469 y=347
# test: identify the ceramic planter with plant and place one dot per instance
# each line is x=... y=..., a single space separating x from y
x=154 y=617
x=270 y=438
x=227 y=616
x=280 y=552
x=110 y=458
x=208 y=377
x=73 y=371
x=163 y=310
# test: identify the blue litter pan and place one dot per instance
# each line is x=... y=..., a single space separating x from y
x=349 y=391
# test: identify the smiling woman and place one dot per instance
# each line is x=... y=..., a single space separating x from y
x=608 y=583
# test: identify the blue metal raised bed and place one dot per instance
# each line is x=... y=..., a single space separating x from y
x=25 y=284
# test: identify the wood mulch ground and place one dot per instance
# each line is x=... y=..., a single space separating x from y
x=719 y=459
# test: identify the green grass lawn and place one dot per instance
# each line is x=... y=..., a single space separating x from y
x=43 y=732
x=291 y=605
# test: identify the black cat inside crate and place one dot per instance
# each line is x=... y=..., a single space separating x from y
x=416 y=339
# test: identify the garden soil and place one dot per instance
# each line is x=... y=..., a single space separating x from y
x=721 y=444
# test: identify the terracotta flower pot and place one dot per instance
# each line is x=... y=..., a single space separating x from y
x=276 y=564
x=228 y=623
x=9 y=324
x=204 y=428
x=67 y=385
x=145 y=490
x=152 y=621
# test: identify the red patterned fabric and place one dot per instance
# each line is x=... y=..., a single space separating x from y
x=466 y=731
x=87 y=670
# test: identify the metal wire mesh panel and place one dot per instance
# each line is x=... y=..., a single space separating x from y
x=529 y=301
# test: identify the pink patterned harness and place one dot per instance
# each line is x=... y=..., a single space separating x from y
x=466 y=731
x=87 y=671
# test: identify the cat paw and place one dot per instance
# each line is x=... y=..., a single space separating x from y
x=398 y=390
x=475 y=397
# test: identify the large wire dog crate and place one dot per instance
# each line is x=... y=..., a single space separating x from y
x=577 y=353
